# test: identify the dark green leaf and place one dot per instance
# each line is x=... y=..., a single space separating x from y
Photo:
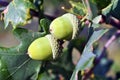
x=101 y=3
x=66 y=60
x=3 y=70
x=45 y=76
x=18 y=64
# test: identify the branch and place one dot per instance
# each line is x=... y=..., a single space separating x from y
x=107 y=20
x=98 y=59
x=112 y=21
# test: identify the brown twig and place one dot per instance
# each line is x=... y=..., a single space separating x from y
x=112 y=21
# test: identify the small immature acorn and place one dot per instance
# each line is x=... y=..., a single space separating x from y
x=44 y=48
x=65 y=27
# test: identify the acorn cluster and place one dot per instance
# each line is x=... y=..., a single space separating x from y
x=48 y=47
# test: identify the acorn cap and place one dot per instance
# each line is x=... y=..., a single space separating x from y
x=75 y=22
x=55 y=45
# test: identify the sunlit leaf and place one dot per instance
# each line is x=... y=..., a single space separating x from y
x=18 y=13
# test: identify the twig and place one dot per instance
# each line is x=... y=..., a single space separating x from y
x=112 y=20
x=98 y=59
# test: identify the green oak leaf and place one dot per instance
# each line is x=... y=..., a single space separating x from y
x=87 y=57
x=18 y=13
x=17 y=65
x=3 y=70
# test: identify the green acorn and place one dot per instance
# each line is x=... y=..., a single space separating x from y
x=65 y=27
x=44 y=48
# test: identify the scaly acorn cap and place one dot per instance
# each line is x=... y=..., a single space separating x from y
x=55 y=45
x=75 y=23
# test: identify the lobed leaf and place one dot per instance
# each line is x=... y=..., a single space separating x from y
x=18 y=13
x=18 y=65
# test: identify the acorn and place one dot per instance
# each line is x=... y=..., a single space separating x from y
x=45 y=48
x=65 y=27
